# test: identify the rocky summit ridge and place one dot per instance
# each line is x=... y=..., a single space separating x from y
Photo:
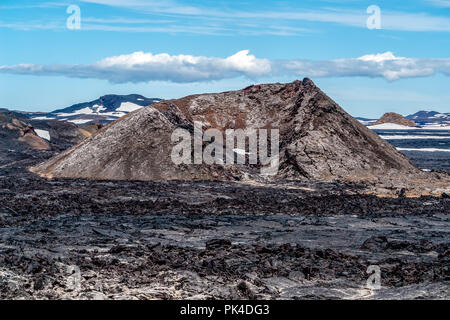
x=319 y=141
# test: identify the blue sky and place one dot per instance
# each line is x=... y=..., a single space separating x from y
x=169 y=49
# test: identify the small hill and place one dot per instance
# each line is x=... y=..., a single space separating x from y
x=392 y=117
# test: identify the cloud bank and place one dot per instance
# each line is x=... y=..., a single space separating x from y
x=391 y=20
x=144 y=67
x=385 y=65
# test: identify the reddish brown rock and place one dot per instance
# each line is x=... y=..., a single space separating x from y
x=319 y=141
x=392 y=117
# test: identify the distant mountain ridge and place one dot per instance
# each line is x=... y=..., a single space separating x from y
x=103 y=110
x=110 y=102
x=430 y=117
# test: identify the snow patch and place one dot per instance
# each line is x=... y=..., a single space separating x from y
x=80 y=121
x=44 y=134
x=42 y=118
x=128 y=107
x=95 y=109
x=390 y=126
x=436 y=127
x=424 y=149
x=399 y=137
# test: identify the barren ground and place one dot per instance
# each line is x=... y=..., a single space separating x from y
x=222 y=240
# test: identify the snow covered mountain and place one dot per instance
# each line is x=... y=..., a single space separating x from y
x=430 y=117
x=103 y=110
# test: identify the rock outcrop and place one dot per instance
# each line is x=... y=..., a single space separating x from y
x=18 y=134
x=392 y=117
x=319 y=141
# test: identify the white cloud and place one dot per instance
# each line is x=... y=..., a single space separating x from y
x=441 y=3
x=144 y=67
x=380 y=57
x=385 y=65
x=184 y=68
